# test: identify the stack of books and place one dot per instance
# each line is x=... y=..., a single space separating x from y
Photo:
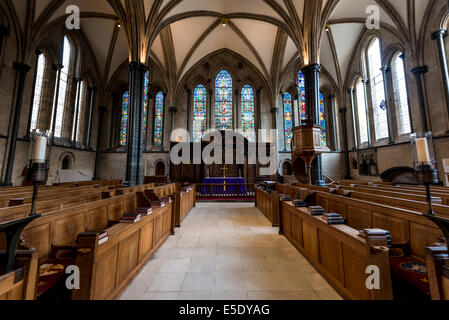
x=157 y=204
x=145 y=211
x=285 y=197
x=166 y=199
x=316 y=210
x=299 y=203
x=131 y=217
x=102 y=235
x=334 y=218
x=375 y=234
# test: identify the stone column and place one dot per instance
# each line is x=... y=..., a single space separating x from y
x=3 y=33
x=173 y=111
x=211 y=110
x=354 y=123
x=77 y=81
x=439 y=36
x=101 y=112
x=368 y=124
x=258 y=113
x=57 y=68
x=236 y=111
x=343 y=112
x=135 y=115
x=92 y=91
x=332 y=116
x=189 y=111
x=385 y=70
x=312 y=90
x=419 y=73
x=22 y=70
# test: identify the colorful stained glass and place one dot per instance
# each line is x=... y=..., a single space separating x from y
x=158 y=119
x=288 y=120
x=302 y=96
x=199 y=112
x=223 y=101
x=248 y=120
x=323 y=121
x=124 y=120
x=145 y=106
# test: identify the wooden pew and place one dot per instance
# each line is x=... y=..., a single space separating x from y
x=268 y=204
x=21 y=284
x=338 y=253
x=438 y=270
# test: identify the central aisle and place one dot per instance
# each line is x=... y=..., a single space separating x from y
x=228 y=251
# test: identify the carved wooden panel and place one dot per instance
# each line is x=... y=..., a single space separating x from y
x=97 y=219
x=310 y=239
x=422 y=236
x=65 y=231
x=296 y=229
x=127 y=256
x=115 y=211
x=358 y=217
x=331 y=255
x=105 y=274
x=38 y=238
x=146 y=239
x=354 y=272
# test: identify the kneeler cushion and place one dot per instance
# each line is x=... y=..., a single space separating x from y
x=49 y=275
x=411 y=271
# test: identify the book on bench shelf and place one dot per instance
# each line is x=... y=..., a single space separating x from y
x=102 y=235
x=132 y=217
x=316 y=210
x=145 y=211
x=299 y=203
x=166 y=199
x=285 y=197
x=158 y=204
x=375 y=234
x=333 y=218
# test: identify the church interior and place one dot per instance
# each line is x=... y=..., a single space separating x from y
x=224 y=150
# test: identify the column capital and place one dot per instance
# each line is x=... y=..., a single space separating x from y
x=38 y=52
x=138 y=65
x=237 y=92
x=439 y=34
x=331 y=96
x=313 y=67
x=343 y=110
x=21 y=67
x=351 y=90
x=365 y=81
x=420 y=70
x=274 y=110
x=3 y=31
x=259 y=91
x=78 y=79
x=92 y=88
x=385 y=69
x=57 y=67
x=172 y=109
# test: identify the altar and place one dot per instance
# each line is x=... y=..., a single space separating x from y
x=224 y=186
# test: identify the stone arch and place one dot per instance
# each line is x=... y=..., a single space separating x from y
x=66 y=161
x=286 y=168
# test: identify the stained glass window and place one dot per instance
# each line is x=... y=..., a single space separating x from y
x=158 y=119
x=288 y=120
x=145 y=106
x=223 y=101
x=63 y=86
x=323 y=120
x=302 y=96
x=199 y=112
x=38 y=88
x=248 y=119
x=124 y=120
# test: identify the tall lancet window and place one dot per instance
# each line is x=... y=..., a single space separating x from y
x=223 y=101
x=248 y=119
x=288 y=120
x=78 y=116
x=63 y=87
x=38 y=89
x=158 y=120
x=124 y=119
x=377 y=90
x=401 y=95
x=323 y=121
x=199 y=125
x=302 y=96
x=361 y=112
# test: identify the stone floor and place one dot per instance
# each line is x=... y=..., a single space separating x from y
x=228 y=251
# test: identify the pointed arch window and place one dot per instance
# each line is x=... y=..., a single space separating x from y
x=361 y=112
x=323 y=122
x=302 y=96
x=248 y=118
x=377 y=90
x=79 y=109
x=63 y=87
x=199 y=125
x=288 y=120
x=401 y=95
x=124 y=119
x=38 y=90
x=158 y=119
x=223 y=101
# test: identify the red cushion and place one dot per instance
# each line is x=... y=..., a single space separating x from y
x=411 y=271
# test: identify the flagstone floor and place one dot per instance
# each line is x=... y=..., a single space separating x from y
x=227 y=251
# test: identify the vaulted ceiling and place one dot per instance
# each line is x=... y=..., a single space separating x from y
x=177 y=34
